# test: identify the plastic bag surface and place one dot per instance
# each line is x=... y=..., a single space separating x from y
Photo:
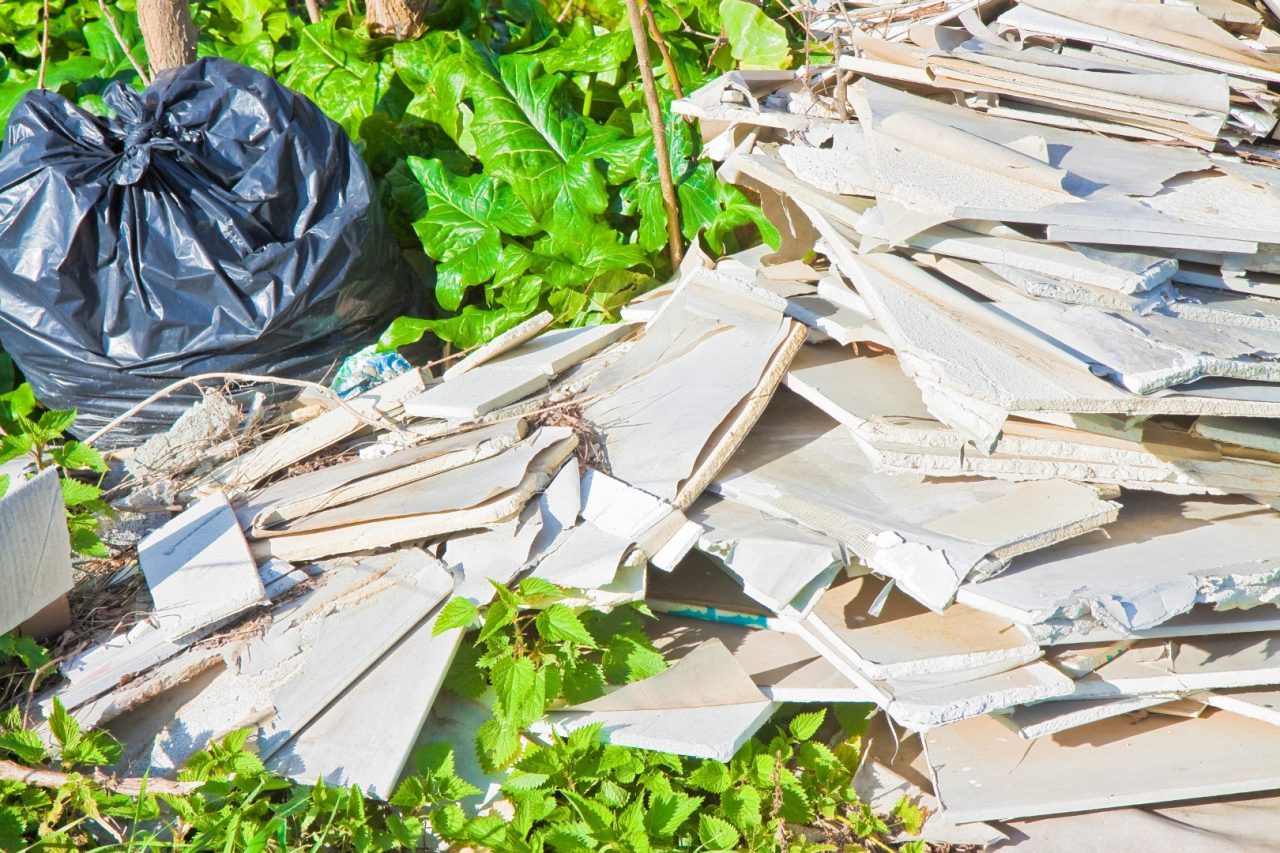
x=219 y=222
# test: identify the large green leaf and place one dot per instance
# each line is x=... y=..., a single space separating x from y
x=464 y=225
x=532 y=138
x=589 y=50
x=755 y=40
x=340 y=71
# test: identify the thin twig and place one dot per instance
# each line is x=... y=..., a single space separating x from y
x=115 y=31
x=313 y=11
x=13 y=772
x=656 y=35
x=44 y=46
x=564 y=13
x=380 y=423
x=674 y=246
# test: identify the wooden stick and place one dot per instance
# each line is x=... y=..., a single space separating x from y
x=44 y=47
x=638 y=35
x=124 y=46
x=656 y=35
x=13 y=772
x=313 y=11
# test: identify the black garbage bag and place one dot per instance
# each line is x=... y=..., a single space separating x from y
x=220 y=222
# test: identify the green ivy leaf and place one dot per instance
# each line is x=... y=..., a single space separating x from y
x=668 y=811
x=711 y=776
x=742 y=807
x=24 y=745
x=628 y=658
x=533 y=588
x=13 y=446
x=533 y=139
x=464 y=225
x=805 y=726
x=587 y=51
x=559 y=624
x=76 y=493
x=54 y=422
x=910 y=814
x=76 y=456
x=583 y=680
x=757 y=42
x=457 y=613
x=716 y=833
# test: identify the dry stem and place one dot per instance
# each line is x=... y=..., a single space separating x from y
x=656 y=35
x=374 y=421
x=638 y=35
x=13 y=772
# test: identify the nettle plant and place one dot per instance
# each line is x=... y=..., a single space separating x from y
x=577 y=793
x=40 y=436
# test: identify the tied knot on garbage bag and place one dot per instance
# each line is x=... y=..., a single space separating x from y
x=218 y=222
x=141 y=129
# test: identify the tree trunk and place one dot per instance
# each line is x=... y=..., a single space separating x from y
x=404 y=19
x=168 y=33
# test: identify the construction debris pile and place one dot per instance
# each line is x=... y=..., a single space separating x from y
x=1002 y=457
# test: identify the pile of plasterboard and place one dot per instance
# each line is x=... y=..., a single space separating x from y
x=1040 y=392
x=1001 y=457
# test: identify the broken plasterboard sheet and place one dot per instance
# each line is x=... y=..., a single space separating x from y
x=738 y=97
x=1254 y=433
x=299 y=496
x=974 y=366
x=1244 y=824
x=585 y=558
x=315 y=647
x=894 y=767
x=706 y=351
x=556 y=351
x=700 y=588
x=936 y=700
x=1263 y=705
x=1175 y=33
x=1126 y=167
x=1200 y=621
x=471 y=395
x=199 y=570
x=35 y=561
x=775 y=560
x=362 y=739
x=983 y=771
x=256 y=464
x=510 y=339
x=452 y=489
x=404 y=514
x=1123 y=272
x=870 y=395
x=1175 y=552
x=101 y=668
x=705 y=705
x=634 y=515
x=800 y=465
x=905 y=640
x=882 y=789
x=1152 y=352
x=1181 y=666
x=1199 y=304
x=927 y=707
x=1048 y=718
x=180 y=448
x=783 y=666
x=837 y=322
